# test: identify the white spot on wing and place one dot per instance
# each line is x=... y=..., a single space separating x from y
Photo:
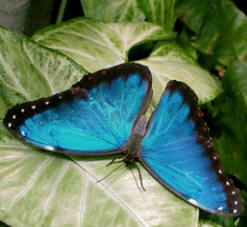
x=9 y=124
x=220 y=208
x=23 y=133
x=193 y=201
x=50 y=148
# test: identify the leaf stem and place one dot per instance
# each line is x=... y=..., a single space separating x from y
x=61 y=11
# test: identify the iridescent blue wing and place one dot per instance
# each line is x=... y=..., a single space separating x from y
x=94 y=117
x=178 y=152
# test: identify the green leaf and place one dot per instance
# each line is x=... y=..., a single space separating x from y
x=242 y=220
x=235 y=78
x=96 y=45
x=157 y=11
x=123 y=10
x=29 y=71
x=46 y=189
x=183 y=41
x=205 y=223
x=211 y=220
x=169 y=62
x=231 y=118
x=220 y=28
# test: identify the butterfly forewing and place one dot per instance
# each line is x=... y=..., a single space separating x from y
x=94 y=117
x=178 y=152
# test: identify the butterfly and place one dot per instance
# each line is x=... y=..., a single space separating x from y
x=104 y=114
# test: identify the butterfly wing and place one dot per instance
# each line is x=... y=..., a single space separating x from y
x=178 y=151
x=94 y=117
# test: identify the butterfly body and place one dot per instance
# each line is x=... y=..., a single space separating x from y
x=104 y=114
x=133 y=148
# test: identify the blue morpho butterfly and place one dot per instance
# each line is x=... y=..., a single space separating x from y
x=104 y=114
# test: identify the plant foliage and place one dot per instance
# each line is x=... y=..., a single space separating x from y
x=38 y=188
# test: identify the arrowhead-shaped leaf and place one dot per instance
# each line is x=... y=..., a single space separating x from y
x=157 y=11
x=95 y=45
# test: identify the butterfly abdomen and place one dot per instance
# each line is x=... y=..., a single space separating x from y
x=134 y=144
x=133 y=148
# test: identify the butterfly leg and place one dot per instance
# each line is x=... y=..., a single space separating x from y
x=140 y=176
x=114 y=160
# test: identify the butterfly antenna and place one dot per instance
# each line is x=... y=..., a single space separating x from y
x=118 y=167
x=140 y=177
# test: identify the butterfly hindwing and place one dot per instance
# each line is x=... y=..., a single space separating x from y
x=94 y=117
x=178 y=152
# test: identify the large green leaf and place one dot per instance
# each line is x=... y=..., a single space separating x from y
x=231 y=118
x=211 y=220
x=169 y=62
x=96 y=45
x=157 y=11
x=28 y=71
x=39 y=188
x=205 y=223
x=122 y=10
x=220 y=27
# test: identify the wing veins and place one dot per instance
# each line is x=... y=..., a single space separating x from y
x=95 y=135
x=103 y=126
x=168 y=126
x=161 y=164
